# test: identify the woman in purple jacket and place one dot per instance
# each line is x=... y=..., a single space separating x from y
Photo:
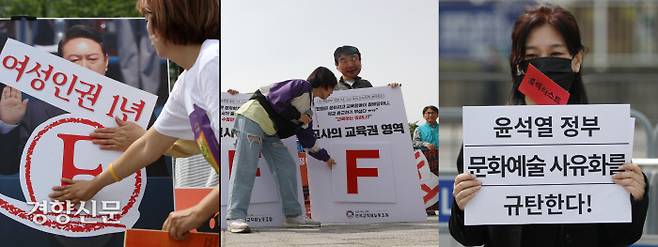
x=276 y=112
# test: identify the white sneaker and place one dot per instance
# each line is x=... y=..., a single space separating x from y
x=300 y=221
x=238 y=226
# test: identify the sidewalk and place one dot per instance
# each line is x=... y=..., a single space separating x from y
x=387 y=234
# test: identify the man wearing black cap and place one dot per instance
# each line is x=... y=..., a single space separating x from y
x=348 y=62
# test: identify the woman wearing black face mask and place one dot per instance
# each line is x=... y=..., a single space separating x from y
x=547 y=37
x=559 y=69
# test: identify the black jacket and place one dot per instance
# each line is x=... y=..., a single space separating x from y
x=358 y=83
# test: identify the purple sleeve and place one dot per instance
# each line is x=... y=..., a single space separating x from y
x=322 y=155
x=281 y=94
x=307 y=138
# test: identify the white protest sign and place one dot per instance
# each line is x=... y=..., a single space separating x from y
x=547 y=164
x=376 y=177
x=72 y=87
x=551 y=124
x=265 y=208
x=61 y=147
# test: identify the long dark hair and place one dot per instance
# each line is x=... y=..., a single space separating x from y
x=564 y=23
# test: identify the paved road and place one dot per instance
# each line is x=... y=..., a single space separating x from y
x=389 y=234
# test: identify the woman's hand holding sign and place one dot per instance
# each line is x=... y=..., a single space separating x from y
x=181 y=222
x=631 y=178
x=465 y=188
x=331 y=163
x=75 y=190
x=305 y=119
x=118 y=138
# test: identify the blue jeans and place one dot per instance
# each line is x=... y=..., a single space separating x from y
x=251 y=140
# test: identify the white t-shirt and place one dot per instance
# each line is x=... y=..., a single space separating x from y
x=197 y=86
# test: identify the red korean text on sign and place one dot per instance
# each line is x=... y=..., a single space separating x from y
x=135 y=109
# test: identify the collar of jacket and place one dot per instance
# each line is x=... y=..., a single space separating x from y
x=358 y=78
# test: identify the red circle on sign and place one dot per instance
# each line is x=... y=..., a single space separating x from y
x=28 y=161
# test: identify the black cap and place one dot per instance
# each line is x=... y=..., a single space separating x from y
x=345 y=50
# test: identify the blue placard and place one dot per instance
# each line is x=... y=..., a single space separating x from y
x=445 y=198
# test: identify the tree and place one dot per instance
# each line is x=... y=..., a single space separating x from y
x=412 y=128
x=69 y=8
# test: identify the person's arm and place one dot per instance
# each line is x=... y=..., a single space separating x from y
x=628 y=233
x=307 y=139
x=466 y=235
x=179 y=223
x=183 y=149
x=117 y=138
x=417 y=142
x=209 y=206
x=14 y=115
x=141 y=153
x=11 y=148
